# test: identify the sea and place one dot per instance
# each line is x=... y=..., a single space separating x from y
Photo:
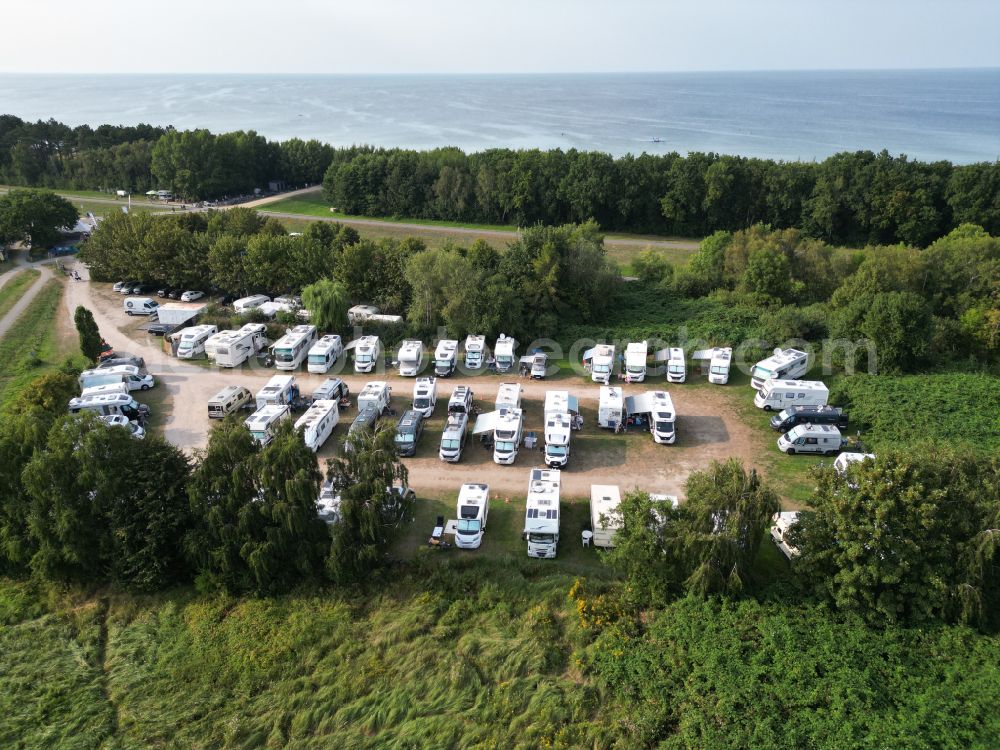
x=808 y=115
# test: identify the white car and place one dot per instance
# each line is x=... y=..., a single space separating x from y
x=191 y=296
x=120 y=420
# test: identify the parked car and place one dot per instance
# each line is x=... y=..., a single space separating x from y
x=143 y=289
x=117 y=287
x=163 y=292
x=120 y=420
x=159 y=329
x=191 y=296
x=122 y=358
x=126 y=287
x=175 y=293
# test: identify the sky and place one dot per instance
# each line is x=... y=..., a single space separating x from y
x=491 y=36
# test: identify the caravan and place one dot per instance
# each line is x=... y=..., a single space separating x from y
x=191 y=340
x=318 y=422
x=280 y=390
x=504 y=353
x=560 y=409
x=367 y=352
x=541 y=516
x=263 y=421
x=676 y=366
x=425 y=396
x=248 y=304
x=291 y=349
x=782 y=365
x=610 y=407
x=635 y=361
x=473 y=509
x=236 y=347
x=507 y=436
x=602 y=363
x=783 y=394
x=475 y=349
x=604 y=519
x=324 y=353
x=375 y=395
x=509 y=396
x=444 y=357
x=410 y=357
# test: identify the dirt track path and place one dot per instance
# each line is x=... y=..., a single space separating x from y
x=30 y=293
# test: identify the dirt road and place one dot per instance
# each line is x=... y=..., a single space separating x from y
x=44 y=267
x=708 y=425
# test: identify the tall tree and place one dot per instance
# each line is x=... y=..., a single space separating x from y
x=326 y=301
x=34 y=217
x=90 y=335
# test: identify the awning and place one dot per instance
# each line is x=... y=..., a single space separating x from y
x=661 y=356
x=573 y=403
x=351 y=345
x=640 y=404
x=486 y=422
x=703 y=354
x=589 y=354
x=528 y=359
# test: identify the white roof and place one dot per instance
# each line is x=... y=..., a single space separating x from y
x=473 y=494
x=799 y=385
x=611 y=395
x=557 y=427
x=603 y=350
x=266 y=415
x=446 y=349
x=504 y=345
x=373 y=388
x=316 y=411
x=604 y=498
x=424 y=386
x=781 y=357
x=365 y=342
x=474 y=343
x=325 y=344
x=543 y=487
x=411 y=347
x=252 y=328
x=294 y=336
x=509 y=393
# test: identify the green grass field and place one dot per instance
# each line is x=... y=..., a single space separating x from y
x=13 y=290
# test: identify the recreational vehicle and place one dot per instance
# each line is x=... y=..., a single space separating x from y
x=475 y=348
x=280 y=390
x=410 y=356
x=291 y=349
x=263 y=421
x=100 y=390
x=365 y=420
x=636 y=353
x=504 y=353
x=610 y=407
x=237 y=347
x=781 y=524
x=782 y=394
x=676 y=365
x=845 y=460
x=425 y=396
x=602 y=363
x=535 y=365
x=134 y=379
x=509 y=396
x=328 y=504
x=375 y=395
x=604 y=521
x=461 y=400
x=229 y=399
x=507 y=436
x=453 y=437
x=445 y=356
x=787 y=364
x=541 y=516
x=140 y=306
x=788 y=418
x=117 y=420
x=367 y=352
x=331 y=389
x=473 y=508
x=718 y=369
x=318 y=422
x=191 y=340
x=663 y=419
x=246 y=304
x=812 y=438
x=408 y=431
x=112 y=403
x=559 y=410
x=324 y=353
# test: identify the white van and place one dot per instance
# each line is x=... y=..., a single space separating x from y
x=812 y=438
x=111 y=403
x=246 y=304
x=133 y=378
x=262 y=422
x=318 y=422
x=140 y=306
x=785 y=364
x=445 y=357
x=473 y=510
x=367 y=352
x=228 y=400
x=324 y=353
x=191 y=340
x=475 y=350
x=636 y=354
x=411 y=357
x=782 y=394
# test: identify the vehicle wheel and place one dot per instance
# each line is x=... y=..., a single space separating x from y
x=144 y=388
x=767 y=408
x=790 y=451
x=129 y=313
x=831 y=453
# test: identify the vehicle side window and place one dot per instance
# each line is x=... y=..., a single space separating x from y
x=800 y=441
x=810 y=441
x=789 y=395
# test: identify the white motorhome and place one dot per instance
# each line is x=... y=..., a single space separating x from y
x=844 y=460
x=367 y=352
x=280 y=390
x=507 y=436
x=238 y=346
x=781 y=394
x=134 y=379
x=411 y=357
x=473 y=509
x=475 y=349
x=787 y=364
x=812 y=438
x=324 y=353
x=781 y=524
x=541 y=516
x=676 y=365
x=331 y=389
x=191 y=340
x=658 y=408
x=328 y=504
x=246 y=304
x=100 y=390
x=318 y=422
x=292 y=349
x=445 y=356
x=111 y=403
x=602 y=363
x=375 y=395
x=461 y=400
x=454 y=436
x=604 y=523
x=361 y=313
x=718 y=369
x=636 y=354
x=559 y=409
x=271 y=309
x=509 y=396
x=610 y=407
x=228 y=400
x=262 y=422
x=504 y=353
x=425 y=396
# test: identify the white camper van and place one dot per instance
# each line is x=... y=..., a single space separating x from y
x=504 y=353
x=445 y=356
x=425 y=396
x=100 y=390
x=111 y=403
x=140 y=306
x=228 y=400
x=507 y=436
x=331 y=389
x=812 y=438
x=602 y=363
x=411 y=356
x=787 y=364
x=324 y=353
x=676 y=365
x=509 y=396
x=291 y=349
x=541 y=517
x=663 y=419
x=473 y=509
x=636 y=354
x=367 y=352
x=782 y=394
x=263 y=421
x=610 y=407
x=604 y=501
x=246 y=304
x=844 y=460
x=718 y=369
x=453 y=437
x=475 y=350
x=279 y=391
x=781 y=524
x=318 y=422
x=236 y=347
x=375 y=395
x=191 y=340
x=134 y=379
x=559 y=410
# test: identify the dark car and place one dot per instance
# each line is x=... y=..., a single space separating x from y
x=162 y=292
x=227 y=299
x=785 y=420
x=159 y=329
x=122 y=358
x=175 y=293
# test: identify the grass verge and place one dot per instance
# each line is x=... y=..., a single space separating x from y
x=15 y=288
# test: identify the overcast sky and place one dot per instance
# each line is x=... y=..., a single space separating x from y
x=493 y=36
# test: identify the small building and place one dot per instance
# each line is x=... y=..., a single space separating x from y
x=179 y=313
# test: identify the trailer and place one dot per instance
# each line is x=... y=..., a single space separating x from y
x=318 y=422
x=604 y=519
x=291 y=350
x=541 y=515
x=237 y=347
x=445 y=357
x=324 y=353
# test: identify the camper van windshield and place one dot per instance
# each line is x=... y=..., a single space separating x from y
x=421 y=403
x=402 y=437
x=534 y=536
x=676 y=368
x=664 y=426
x=449 y=444
x=556 y=450
x=283 y=355
x=718 y=370
x=442 y=362
x=364 y=358
x=602 y=368
x=317 y=359
x=503 y=359
x=636 y=368
x=468 y=526
x=259 y=435
x=505 y=446
x=761 y=373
